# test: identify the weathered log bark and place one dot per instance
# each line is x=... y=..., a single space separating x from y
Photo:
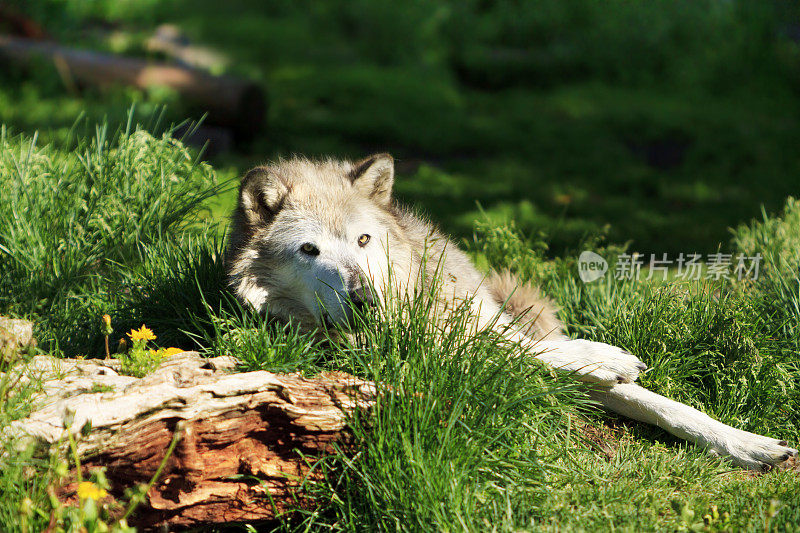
x=230 y=102
x=246 y=440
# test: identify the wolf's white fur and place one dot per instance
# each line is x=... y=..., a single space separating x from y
x=297 y=250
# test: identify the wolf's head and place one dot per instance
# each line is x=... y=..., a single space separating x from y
x=309 y=240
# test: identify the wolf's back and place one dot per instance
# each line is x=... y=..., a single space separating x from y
x=535 y=314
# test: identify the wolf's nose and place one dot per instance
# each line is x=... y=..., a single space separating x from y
x=361 y=297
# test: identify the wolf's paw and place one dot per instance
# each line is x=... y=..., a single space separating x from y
x=593 y=362
x=755 y=451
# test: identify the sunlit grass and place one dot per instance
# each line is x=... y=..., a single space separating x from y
x=467 y=434
x=556 y=116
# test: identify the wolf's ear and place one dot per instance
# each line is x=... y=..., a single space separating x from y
x=374 y=177
x=261 y=195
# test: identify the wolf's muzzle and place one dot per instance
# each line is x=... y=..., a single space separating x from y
x=361 y=298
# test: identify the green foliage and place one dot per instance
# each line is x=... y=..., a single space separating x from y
x=576 y=123
x=503 y=248
x=563 y=115
x=68 y=219
x=465 y=432
x=139 y=360
x=175 y=283
x=259 y=343
x=777 y=239
x=659 y=40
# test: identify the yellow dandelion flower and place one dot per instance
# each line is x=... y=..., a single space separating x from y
x=165 y=352
x=87 y=489
x=142 y=334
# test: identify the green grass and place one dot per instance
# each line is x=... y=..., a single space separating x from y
x=558 y=126
x=74 y=222
x=572 y=117
x=466 y=436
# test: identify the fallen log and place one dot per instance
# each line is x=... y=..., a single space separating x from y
x=245 y=441
x=230 y=102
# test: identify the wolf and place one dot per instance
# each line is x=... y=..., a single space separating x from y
x=309 y=241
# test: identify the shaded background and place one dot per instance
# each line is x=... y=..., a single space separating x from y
x=662 y=123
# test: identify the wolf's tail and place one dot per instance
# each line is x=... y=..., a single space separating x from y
x=535 y=314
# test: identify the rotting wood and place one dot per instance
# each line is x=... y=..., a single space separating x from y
x=247 y=440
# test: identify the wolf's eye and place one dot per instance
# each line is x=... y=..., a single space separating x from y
x=309 y=249
x=363 y=240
